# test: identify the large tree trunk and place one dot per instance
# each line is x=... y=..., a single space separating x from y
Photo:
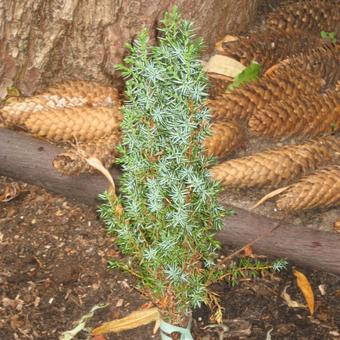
x=44 y=41
x=25 y=158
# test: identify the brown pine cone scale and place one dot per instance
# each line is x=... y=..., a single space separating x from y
x=309 y=115
x=312 y=15
x=91 y=93
x=318 y=190
x=269 y=46
x=225 y=138
x=80 y=123
x=68 y=94
x=302 y=74
x=240 y=103
x=73 y=161
x=15 y=114
x=322 y=62
x=272 y=167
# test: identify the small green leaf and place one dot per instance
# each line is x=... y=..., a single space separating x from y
x=250 y=73
x=113 y=264
x=333 y=127
x=13 y=92
x=331 y=36
x=229 y=212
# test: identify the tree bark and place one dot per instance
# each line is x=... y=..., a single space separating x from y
x=44 y=41
x=25 y=158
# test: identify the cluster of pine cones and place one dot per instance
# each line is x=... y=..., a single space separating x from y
x=297 y=96
x=84 y=113
x=88 y=114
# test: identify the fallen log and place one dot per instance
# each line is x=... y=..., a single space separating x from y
x=28 y=159
x=301 y=245
x=25 y=158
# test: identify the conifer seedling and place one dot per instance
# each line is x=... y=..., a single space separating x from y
x=169 y=202
x=167 y=212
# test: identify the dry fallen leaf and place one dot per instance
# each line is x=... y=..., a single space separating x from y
x=291 y=303
x=322 y=289
x=10 y=192
x=120 y=303
x=133 y=320
x=337 y=225
x=248 y=251
x=223 y=65
x=269 y=337
x=99 y=337
x=98 y=165
x=156 y=327
x=268 y=196
x=306 y=290
x=71 y=334
x=227 y=39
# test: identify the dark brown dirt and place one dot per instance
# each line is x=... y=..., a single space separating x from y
x=53 y=270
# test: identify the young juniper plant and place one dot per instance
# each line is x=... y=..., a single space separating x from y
x=167 y=212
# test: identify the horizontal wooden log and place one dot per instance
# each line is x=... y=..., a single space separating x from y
x=25 y=158
x=301 y=245
x=28 y=159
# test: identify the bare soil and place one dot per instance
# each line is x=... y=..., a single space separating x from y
x=53 y=270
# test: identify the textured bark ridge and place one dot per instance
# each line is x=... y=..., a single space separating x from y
x=318 y=190
x=42 y=42
x=272 y=167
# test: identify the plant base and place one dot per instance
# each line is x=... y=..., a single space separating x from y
x=167 y=329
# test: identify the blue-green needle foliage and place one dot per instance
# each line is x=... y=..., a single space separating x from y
x=170 y=210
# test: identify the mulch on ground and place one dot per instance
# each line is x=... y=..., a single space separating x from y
x=53 y=270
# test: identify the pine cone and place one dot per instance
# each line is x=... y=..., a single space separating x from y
x=318 y=190
x=303 y=74
x=16 y=114
x=80 y=123
x=336 y=225
x=272 y=167
x=243 y=101
x=306 y=73
x=218 y=84
x=225 y=138
x=313 y=16
x=305 y=116
x=269 y=46
x=90 y=93
x=68 y=94
x=322 y=62
x=72 y=162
